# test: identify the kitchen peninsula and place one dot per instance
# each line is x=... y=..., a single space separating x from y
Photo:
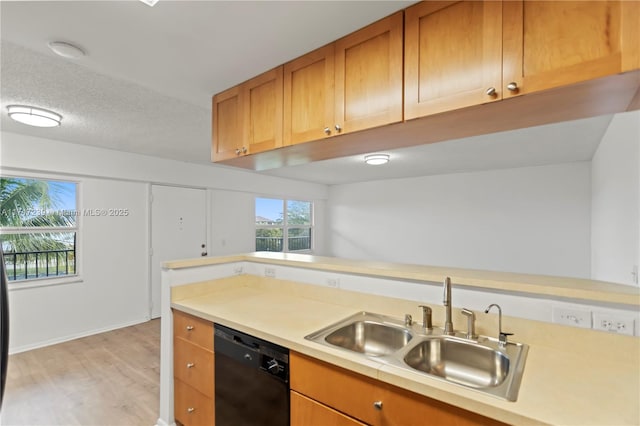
x=567 y=372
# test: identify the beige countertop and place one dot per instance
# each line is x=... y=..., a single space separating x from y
x=541 y=285
x=572 y=376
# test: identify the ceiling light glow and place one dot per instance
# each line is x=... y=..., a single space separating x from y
x=33 y=116
x=376 y=159
x=66 y=50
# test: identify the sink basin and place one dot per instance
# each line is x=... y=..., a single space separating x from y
x=369 y=334
x=370 y=337
x=481 y=364
x=458 y=361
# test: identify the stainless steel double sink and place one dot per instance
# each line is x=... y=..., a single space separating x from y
x=482 y=364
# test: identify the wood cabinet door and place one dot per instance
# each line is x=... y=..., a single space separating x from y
x=343 y=390
x=404 y=408
x=227 y=135
x=307 y=412
x=191 y=407
x=554 y=43
x=262 y=109
x=453 y=55
x=194 y=366
x=309 y=96
x=368 y=76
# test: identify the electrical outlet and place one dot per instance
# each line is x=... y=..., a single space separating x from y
x=333 y=282
x=270 y=272
x=571 y=316
x=614 y=323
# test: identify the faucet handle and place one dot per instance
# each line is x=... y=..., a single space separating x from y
x=426 y=317
x=471 y=326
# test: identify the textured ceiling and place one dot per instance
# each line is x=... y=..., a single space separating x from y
x=146 y=84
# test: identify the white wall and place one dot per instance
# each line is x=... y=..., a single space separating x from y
x=114 y=262
x=615 y=230
x=529 y=220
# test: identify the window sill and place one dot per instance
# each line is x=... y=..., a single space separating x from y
x=43 y=282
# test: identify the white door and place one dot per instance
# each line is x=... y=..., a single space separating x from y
x=178 y=230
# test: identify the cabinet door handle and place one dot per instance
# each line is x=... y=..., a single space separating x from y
x=491 y=91
x=513 y=86
x=190 y=365
x=238 y=151
x=377 y=405
x=327 y=131
x=190 y=410
x=244 y=150
x=338 y=128
x=189 y=328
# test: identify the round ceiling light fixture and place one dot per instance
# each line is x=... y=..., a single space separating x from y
x=66 y=50
x=33 y=116
x=376 y=159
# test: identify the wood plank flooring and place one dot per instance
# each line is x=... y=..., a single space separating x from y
x=107 y=379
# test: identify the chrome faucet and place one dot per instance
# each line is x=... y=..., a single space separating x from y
x=446 y=301
x=502 y=337
x=471 y=323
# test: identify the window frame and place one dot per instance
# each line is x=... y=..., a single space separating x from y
x=285 y=225
x=77 y=229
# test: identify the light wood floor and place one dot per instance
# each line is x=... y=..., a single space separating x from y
x=107 y=379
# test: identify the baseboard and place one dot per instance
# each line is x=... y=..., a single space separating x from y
x=67 y=338
x=161 y=422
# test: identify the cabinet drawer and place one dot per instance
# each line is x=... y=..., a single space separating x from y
x=307 y=412
x=348 y=392
x=193 y=365
x=405 y=408
x=191 y=407
x=192 y=329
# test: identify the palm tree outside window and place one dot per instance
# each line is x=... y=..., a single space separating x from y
x=38 y=228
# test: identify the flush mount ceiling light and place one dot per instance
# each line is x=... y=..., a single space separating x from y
x=34 y=116
x=376 y=159
x=66 y=50
x=149 y=2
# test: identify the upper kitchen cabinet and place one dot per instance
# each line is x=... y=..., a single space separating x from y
x=247 y=118
x=227 y=124
x=352 y=84
x=549 y=44
x=308 y=96
x=453 y=55
x=263 y=111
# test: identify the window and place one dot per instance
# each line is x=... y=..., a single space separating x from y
x=38 y=228
x=283 y=225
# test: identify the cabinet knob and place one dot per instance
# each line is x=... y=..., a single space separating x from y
x=377 y=405
x=238 y=151
x=244 y=150
x=513 y=86
x=190 y=410
x=491 y=91
x=189 y=328
x=327 y=131
x=338 y=128
x=190 y=365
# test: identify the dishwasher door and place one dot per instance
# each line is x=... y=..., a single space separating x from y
x=247 y=391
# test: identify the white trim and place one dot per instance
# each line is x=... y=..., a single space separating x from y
x=74 y=336
x=43 y=282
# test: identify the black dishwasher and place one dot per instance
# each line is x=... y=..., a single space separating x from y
x=251 y=380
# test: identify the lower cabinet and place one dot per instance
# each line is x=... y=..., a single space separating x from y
x=307 y=412
x=193 y=372
x=336 y=393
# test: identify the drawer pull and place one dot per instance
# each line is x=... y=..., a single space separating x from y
x=190 y=365
x=377 y=405
x=189 y=328
x=190 y=410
